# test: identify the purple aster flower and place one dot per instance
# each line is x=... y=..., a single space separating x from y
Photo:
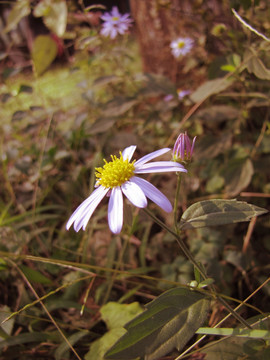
x=168 y=97
x=181 y=46
x=183 y=148
x=118 y=177
x=115 y=23
x=182 y=93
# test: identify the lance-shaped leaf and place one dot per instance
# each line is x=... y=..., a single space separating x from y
x=210 y=88
x=19 y=10
x=255 y=65
x=168 y=322
x=54 y=13
x=218 y=212
x=43 y=53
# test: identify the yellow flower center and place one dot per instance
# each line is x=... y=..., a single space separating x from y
x=181 y=44
x=115 y=18
x=115 y=172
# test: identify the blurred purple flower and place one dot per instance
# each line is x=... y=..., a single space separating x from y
x=181 y=46
x=168 y=97
x=117 y=177
x=183 y=148
x=115 y=23
x=182 y=93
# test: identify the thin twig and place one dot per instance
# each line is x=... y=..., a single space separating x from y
x=242 y=21
x=246 y=241
x=46 y=310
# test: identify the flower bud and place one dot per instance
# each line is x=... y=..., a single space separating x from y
x=183 y=148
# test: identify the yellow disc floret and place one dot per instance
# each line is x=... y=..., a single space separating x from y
x=181 y=44
x=115 y=172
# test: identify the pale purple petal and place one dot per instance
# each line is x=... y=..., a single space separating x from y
x=82 y=214
x=115 y=210
x=151 y=156
x=106 y=16
x=192 y=147
x=125 y=17
x=182 y=93
x=109 y=30
x=153 y=193
x=128 y=152
x=115 y=12
x=134 y=194
x=113 y=33
x=168 y=97
x=159 y=166
x=122 y=29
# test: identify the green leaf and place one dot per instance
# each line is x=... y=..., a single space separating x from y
x=223 y=350
x=156 y=85
x=54 y=13
x=64 y=347
x=169 y=322
x=218 y=212
x=7 y=326
x=229 y=68
x=117 y=315
x=218 y=113
x=206 y=282
x=101 y=346
x=26 y=89
x=34 y=275
x=214 y=184
x=19 y=10
x=101 y=125
x=24 y=338
x=118 y=106
x=209 y=88
x=255 y=65
x=238 y=175
x=43 y=53
x=211 y=145
x=3 y=264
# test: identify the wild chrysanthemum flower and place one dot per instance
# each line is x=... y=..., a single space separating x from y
x=183 y=148
x=181 y=46
x=182 y=93
x=118 y=177
x=115 y=23
x=168 y=97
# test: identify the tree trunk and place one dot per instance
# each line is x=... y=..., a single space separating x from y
x=158 y=22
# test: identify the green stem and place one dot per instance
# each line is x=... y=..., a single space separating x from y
x=180 y=242
x=191 y=258
x=175 y=208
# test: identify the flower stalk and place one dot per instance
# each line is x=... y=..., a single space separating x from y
x=175 y=208
x=191 y=258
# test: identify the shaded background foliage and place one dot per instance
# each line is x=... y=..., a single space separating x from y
x=93 y=96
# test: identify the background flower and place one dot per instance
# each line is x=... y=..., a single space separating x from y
x=182 y=93
x=116 y=178
x=115 y=23
x=181 y=46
